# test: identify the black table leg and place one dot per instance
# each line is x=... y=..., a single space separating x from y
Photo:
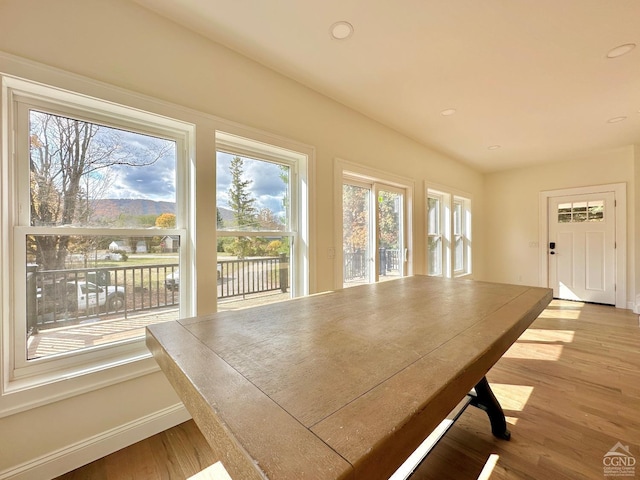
x=486 y=400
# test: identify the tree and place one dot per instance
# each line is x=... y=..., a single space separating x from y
x=70 y=164
x=241 y=201
x=268 y=220
x=355 y=228
x=242 y=204
x=166 y=220
x=388 y=220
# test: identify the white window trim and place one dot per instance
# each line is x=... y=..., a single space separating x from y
x=23 y=384
x=351 y=171
x=298 y=158
x=444 y=216
x=200 y=150
x=465 y=234
x=448 y=198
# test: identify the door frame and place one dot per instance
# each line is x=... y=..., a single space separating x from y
x=370 y=175
x=620 y=210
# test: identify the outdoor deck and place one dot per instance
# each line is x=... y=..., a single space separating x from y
x=96 y=331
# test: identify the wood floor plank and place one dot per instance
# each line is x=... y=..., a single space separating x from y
x=572 y=389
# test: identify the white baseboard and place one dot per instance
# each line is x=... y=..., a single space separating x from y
x=76 y=455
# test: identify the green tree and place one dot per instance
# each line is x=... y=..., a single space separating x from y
x=242 y=203
x=241 y=200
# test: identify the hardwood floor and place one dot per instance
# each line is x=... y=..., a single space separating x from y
x=570 y=387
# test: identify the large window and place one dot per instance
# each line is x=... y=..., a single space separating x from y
x=96 y=196
x=261 y=216
x=448 y=234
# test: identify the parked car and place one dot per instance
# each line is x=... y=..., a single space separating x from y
x=172 y=281
x=84 y=295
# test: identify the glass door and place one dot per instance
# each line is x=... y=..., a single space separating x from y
x=356 y=234
x=390 y=233
x=373 y=237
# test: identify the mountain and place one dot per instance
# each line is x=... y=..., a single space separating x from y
x=113 y=207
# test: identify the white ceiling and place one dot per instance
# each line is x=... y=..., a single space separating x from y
x=531 y=76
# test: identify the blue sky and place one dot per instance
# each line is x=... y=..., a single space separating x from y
x=151 y=182
x=157 y=181
x=266 y=185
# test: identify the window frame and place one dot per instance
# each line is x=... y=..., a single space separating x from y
x=441 y=229
x=23 y=380
x=350 y=172
x=450 y=199
x=298 y=159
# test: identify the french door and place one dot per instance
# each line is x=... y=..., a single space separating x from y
x=373 y=232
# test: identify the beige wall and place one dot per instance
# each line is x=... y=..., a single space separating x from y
x=512 y=211
x=118 y=42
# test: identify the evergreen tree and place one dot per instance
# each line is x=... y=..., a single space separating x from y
x=240 y=200
x=242 y=204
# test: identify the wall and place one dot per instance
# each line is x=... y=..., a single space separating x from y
x=120 y=43
x=512 y=211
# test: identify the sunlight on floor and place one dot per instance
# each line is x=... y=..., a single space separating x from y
x=488 y=468
x=213 y=472
x=512 y=397
x=534 y=351
x=546 y=335
x=511 y=420
x=572 y=314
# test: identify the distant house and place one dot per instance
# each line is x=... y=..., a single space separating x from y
x=119 y=245
x=141 y=246
x=170 y=243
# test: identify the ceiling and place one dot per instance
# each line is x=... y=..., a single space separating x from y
x=530 y=81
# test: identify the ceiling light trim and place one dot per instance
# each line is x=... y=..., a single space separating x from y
x=620 y=50
x=616 y=119
x=341 y=30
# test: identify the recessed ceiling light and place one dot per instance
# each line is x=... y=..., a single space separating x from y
x=621 y=50
x=448 y=111
x=341 y=30
x=616 y=119
x=494 y=147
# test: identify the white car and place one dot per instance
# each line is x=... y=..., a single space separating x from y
x=84 y=295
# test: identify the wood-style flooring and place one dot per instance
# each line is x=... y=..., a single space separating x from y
x=570 y=387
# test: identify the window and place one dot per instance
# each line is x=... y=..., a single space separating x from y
x=374 y=229
x=436 y=241
x=261 y=216
x=97 y=191
x=577 y=212
x=461 y=236
x=448 y=234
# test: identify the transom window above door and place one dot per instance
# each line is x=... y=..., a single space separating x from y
x=575 y=212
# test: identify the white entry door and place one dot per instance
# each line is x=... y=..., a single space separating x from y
x=582 y=247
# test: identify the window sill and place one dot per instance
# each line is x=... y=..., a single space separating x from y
x=34 y=391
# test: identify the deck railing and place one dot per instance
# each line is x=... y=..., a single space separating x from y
x=61 y=297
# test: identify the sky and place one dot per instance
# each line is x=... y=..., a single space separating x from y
x=266 y=185
x=157 y=181
x=151 y=182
